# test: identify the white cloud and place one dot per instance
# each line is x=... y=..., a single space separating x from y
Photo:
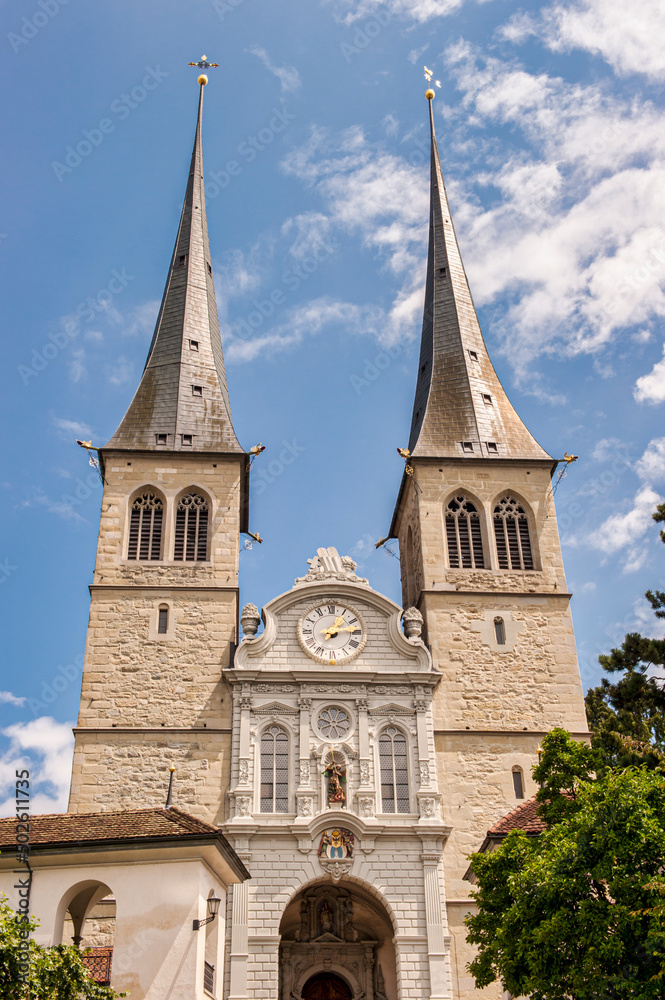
x=651 y=466
x=606 y=448
x=309 y=233
x=625 y=530
x=415 y=54
x=141 y=320
x=121 y=372
x=44 y=747
x=7 y=698
x=77 y=368
x=650 y=388
x=288 y=76
x=72 y=429
x=628 y=36
x=414 y=10
x=390 y=125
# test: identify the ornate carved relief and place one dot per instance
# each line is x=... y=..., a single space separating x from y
x=327 y=564
x=243 y=771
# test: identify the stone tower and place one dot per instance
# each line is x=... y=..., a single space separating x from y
x=481 y=559
x=164 y=599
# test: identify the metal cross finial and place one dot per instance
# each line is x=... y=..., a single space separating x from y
x=204 y=64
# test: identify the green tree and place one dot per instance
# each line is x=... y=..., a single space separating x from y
x=579 y=911
x=627 y=716
x=54 y=973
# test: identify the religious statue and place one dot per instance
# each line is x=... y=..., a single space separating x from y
x=326 y=918
x=335 y=774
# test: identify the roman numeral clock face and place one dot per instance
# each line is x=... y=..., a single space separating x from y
x=332 y=633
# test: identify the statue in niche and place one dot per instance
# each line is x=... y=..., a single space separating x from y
x=336 y=775
x=326 y=918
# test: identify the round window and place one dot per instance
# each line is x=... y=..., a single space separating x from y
x=334 y=723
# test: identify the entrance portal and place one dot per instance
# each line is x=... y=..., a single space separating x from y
x=326 y=986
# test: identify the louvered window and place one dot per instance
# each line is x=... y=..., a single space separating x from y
x=274 y=771
x=511 y=529
x=465 y=542
x=191 y=528
x=394 y=763
x=145 y=527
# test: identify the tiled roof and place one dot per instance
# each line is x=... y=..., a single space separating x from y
x=459 y=397
x=525 y=817
x=80 y=828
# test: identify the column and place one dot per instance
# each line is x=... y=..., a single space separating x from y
x=437 y=942
x=239 y=953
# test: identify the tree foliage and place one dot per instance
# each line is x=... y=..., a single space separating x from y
x=55 y=973
x=579 y=911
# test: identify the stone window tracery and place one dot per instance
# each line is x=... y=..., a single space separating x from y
x=463 y=534
x=274 y=770
x=191 y=528
x=145 y=527
x=511 y=530
x=394 y=764
x=333 y=723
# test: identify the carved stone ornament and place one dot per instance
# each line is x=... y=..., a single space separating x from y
x=304 y=770
x=336 y=869
x=364 y=772
x=306 y=807
x=250 y=619
x=424 y=771
x=366 y=807
x=327 y=564
x=413 y=623
x=243 y=771
x=428 y=808
x=243 y=805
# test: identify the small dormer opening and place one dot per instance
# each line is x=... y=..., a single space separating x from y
x=492 y=447
x=182 y=260
x=487 y=398
x=442 y=272
x=473 y=355
x=197 y=390
x=193 y=345
x=423 y=367
x=467 y=446
x=161 y=438
x=187 y=440
x=209 y=266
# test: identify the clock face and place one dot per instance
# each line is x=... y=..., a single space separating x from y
x=332 y=633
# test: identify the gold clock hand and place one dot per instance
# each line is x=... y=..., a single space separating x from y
x=333 y=629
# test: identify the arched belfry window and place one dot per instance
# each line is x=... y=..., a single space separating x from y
x=465 y=541
x=511 y=529
x=274 y=770
x=191 y=528
x=145 y=527
x=394 y=763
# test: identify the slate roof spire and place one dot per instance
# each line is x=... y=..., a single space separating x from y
x=460 y=407
x=182 y=402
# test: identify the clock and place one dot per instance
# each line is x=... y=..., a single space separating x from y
x=331 y=633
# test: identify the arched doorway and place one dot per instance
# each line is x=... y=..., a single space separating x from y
x=326 y=986
x=337 y=944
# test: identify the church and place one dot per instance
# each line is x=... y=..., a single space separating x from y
x=337 y=757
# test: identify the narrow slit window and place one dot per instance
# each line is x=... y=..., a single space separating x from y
x=145 y=528
x=518 y=782
x=209 y=266
x=191 y=529
x=500 y=631
x=393 y=758
x=513 y=539
x=465 y=541
x=274 y=771
x=163 y=621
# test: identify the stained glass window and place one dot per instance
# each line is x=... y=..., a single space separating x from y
x=333 y=723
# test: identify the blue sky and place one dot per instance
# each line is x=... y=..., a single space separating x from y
x=550 y=125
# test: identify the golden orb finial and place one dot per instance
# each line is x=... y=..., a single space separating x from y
x=202 y=80
x=429 y=94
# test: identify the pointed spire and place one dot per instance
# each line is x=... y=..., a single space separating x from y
x=183 y=392
x=459 y=399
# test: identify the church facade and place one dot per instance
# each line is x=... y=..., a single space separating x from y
x=350 y=753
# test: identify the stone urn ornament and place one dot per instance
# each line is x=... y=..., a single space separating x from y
x=250 y=619
x=413 y=623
